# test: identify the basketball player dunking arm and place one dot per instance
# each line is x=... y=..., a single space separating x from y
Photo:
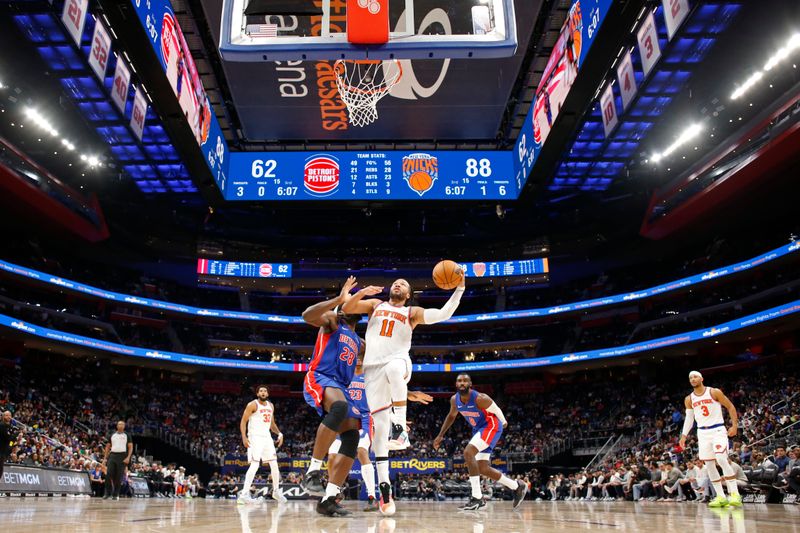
x=704 y=405
x=487 y=422
x=257 y=421
x=387 y=365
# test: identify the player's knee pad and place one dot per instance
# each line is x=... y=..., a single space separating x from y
x=336 y=415
x=349 y=443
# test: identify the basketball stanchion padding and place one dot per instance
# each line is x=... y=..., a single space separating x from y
x=368 y=21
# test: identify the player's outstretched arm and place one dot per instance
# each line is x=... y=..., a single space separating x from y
x=688 y=421
x=358 y=305
x=420 y=315
x=718 y=395
x=274 y=428
x=483 y=401
x=448 y=421
x=248 y=411
x=320 y=314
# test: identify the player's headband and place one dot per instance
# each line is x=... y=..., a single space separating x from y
x=695 y=373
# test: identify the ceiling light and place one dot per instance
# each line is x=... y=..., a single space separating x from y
x=743 y=88
x=686 y=135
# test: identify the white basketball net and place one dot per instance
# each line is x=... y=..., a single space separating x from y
x=362 y=84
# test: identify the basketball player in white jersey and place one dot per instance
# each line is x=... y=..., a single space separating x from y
x=704 y=406
x=387 y=365
x=258 y=420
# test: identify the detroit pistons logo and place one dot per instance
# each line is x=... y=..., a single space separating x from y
x=420 y=171
x=321 y=175
x=265 y=270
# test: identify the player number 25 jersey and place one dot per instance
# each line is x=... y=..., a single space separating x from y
x=259 y=422
x=707 y=410
x=388 y=334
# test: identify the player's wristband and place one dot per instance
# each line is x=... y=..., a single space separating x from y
x=280 y=435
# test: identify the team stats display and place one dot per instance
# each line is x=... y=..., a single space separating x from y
x=237 y=269
x=390 y=175
x=493 y=269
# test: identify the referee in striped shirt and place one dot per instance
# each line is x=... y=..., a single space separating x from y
x=117 y=457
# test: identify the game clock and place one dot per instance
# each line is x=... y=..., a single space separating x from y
x=374 y=175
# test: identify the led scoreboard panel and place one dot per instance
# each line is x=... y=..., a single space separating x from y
x=394 y=175
x=492 y=269
x=213 y=267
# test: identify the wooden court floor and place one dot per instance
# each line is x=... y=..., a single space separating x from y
x=52 y=515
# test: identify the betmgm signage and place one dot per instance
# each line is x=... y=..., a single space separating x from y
x=27 y=480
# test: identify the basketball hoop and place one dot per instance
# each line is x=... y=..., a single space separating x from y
x=362 y=83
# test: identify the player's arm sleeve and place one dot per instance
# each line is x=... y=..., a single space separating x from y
x=495 y=410
x=432 y=316
x=688 y=422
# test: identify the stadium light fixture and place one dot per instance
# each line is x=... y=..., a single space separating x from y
x=686 y=135
x=782 y=53
x=36 y=117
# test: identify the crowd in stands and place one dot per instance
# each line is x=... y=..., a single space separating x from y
x=62 y=406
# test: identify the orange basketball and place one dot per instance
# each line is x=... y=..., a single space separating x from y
x=447 y=274
x=420 y=181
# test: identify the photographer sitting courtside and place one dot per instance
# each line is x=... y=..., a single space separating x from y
x=117 y=457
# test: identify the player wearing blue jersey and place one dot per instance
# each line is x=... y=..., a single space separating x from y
x=325 y=386
x=487 y=422
x=357 y=396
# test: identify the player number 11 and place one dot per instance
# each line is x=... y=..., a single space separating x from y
x=387 y=326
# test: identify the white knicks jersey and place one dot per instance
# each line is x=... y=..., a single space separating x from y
x=707 y=410
x=388 y=334
x=259 y=422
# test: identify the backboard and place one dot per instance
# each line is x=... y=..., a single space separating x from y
x=278 y=30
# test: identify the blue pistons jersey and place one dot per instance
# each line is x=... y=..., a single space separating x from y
x=335 y=354
x=357 y=396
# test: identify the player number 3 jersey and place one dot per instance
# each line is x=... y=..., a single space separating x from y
x=388 y=334
x=259 y=423
x=707 y=410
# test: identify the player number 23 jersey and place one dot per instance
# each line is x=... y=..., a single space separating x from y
x=707 y=410
x=388 y=334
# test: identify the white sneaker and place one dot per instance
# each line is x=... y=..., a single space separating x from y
x=246 y=499
x=278 y=496
x=400 y=443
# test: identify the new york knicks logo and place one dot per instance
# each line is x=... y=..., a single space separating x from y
x=321 y=175
x=479 y=269
x=420 y=172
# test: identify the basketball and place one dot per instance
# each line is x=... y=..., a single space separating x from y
x=447 y=274
x=420 y=181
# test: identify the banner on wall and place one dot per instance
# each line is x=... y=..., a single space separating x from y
x=98 y=53
x=399 y=465
x=609 y=110
x=122 y=81
x=139 y=113
x=675 y=12
x=627 y=80
x=74 y=18
x=649 y=49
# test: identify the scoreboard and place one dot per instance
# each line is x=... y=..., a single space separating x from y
x=373 y=175
x=237 y=269
x=492 y=269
